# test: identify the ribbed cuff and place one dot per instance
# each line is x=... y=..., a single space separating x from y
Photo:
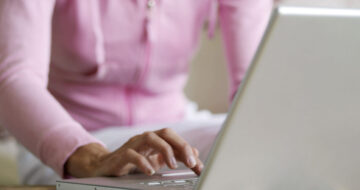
x=60 y=143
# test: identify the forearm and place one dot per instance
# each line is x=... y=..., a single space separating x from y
x=38 y=121
x=27 y=109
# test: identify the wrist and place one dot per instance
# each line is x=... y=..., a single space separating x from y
x=85 y=160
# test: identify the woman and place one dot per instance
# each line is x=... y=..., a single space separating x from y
x=71 y=67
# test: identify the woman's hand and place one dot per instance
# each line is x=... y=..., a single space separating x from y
x=147 y=153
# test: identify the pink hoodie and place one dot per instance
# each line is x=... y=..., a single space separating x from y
x=72 y=66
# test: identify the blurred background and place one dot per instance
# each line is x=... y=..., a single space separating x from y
x=207 y=84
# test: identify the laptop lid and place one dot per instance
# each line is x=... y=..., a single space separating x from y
x=295 y=123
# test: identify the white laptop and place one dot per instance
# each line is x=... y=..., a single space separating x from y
x=295 y=122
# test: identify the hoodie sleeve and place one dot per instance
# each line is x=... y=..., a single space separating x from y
x=242 y=23
x=27 y=109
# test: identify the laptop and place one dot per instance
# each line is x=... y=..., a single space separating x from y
x=295 y=121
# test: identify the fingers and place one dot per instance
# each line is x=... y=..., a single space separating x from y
x=184 y=151
x=139 y=161
x=157 y=161
x=150 y=151
x=199 y=167
x=159 y=144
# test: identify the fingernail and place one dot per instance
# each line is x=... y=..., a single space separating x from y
x=192 y=161
x=151 y=172
x=201 y=167
x=173 y=162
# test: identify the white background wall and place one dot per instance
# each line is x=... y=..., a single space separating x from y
x=208 y=84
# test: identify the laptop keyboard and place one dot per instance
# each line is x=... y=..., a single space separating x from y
x=174 y=184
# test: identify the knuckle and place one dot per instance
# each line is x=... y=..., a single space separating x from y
x=167 y=149
x=196 y=151
x=128 y=151
x=146 y=133
x=148 y=136
x=166 y=131
x=134 y=138
x=186 y=147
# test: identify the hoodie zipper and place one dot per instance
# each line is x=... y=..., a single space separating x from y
x=128 y=91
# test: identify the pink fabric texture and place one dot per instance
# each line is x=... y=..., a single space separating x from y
x=71 y=66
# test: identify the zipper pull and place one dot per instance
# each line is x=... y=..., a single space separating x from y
x=151 y=4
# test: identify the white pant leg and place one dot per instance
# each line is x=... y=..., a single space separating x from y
x=32 y=171
x=199 y=129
